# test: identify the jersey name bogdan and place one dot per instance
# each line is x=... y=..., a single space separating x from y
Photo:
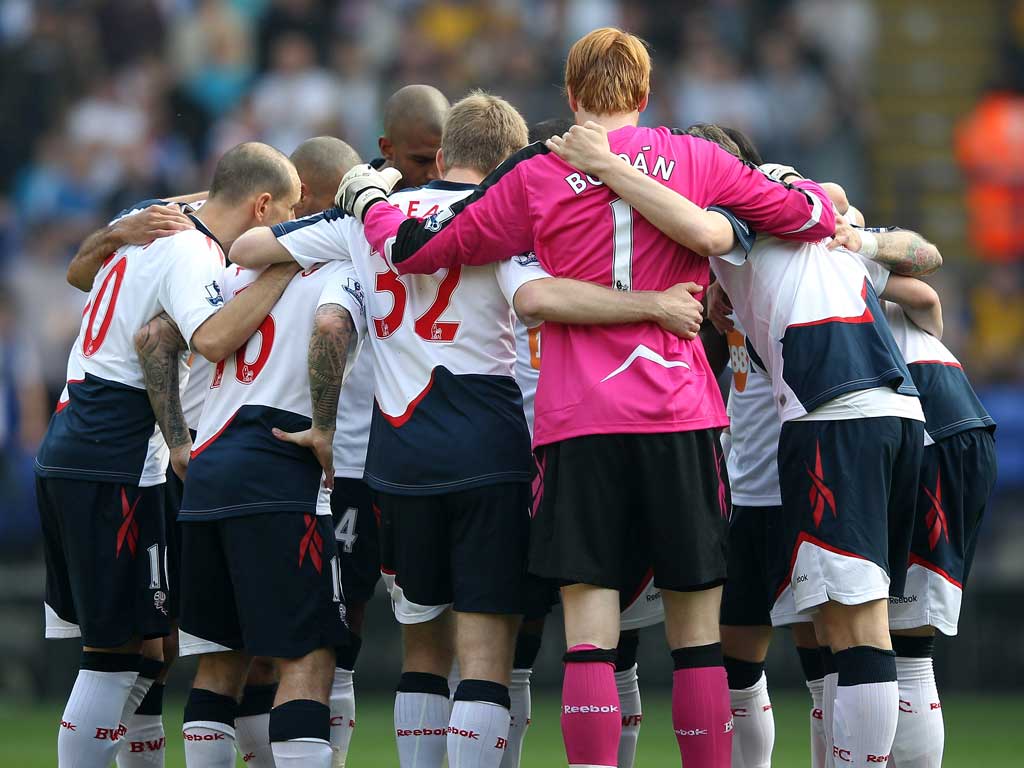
x=751 y=444
x=631 y=378
x=104 y=428
x=815 y=324
x=448 y=414
x=238 y=467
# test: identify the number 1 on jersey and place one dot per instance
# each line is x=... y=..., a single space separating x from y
x=622 y=245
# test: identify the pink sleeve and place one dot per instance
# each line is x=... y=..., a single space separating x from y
x=800 y=211
x=490 y=225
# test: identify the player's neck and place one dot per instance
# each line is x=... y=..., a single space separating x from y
x=609 y=122
x=226 y=222
x=463 y=175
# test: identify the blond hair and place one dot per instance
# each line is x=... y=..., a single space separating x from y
x=608 y=71
x=480 y=131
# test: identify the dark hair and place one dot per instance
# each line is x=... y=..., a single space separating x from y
x=545 y=129
x=252 y=168
x=747 y=149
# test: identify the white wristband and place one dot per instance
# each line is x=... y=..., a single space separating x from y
x=868 y=245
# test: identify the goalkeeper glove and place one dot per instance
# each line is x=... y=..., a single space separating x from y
x=363 y=186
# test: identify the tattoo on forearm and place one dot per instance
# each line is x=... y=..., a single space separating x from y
x=328 y=353
x=159 y=345
x=907 y=253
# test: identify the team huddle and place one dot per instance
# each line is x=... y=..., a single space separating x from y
x=473 y=369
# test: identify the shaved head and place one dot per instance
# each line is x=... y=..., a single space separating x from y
x=250 y=169
x=413 y=119
x=321 y=162
x=414 y=106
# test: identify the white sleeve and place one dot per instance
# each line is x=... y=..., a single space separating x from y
x=343 y=287
x=516 y=272
x=320 y=237
x=191 y=286
x=877 y=273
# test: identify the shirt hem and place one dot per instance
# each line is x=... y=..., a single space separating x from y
x=436 y=489
x=242 y=510
x=627 y=428
x=98 y=476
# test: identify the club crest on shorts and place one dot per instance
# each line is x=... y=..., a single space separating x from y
x=160 y=601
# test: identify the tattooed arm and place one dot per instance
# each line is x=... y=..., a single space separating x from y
x=159 y=346
x=901 y=251
x=328 y=353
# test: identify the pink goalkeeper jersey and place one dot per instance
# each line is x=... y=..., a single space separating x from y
x=605 y=379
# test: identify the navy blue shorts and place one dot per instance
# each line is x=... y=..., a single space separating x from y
x=956 y=479
x=266 y=583
x=753 y=536
x=849 y=489
x=104 y=550
x=355 y=529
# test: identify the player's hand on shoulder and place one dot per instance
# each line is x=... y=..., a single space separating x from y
x=847 y=236
x=363 y=186
x=152 y=223
x=320 y=442
x=719 y=308
x=680 y=312
x=780 y=172
x=584 y=147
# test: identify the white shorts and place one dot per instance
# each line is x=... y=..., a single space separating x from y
x=406 y=611
x=819 y=575
x=645 y=610
x=930 y=598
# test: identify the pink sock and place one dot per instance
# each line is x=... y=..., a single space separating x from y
x=701 y=715
x=591 y=715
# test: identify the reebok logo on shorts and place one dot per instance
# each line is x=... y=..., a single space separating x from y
x=820 y=494
x=312 y=543
x=129 y=530
x=584 y=709
x=935 y=518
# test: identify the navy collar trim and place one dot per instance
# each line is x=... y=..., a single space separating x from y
x=451 y=186
x=202 y=228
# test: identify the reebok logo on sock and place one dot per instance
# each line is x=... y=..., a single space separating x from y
x=583 y=709
x=463 y=733
x=421 y=732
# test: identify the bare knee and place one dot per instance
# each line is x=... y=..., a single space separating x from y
x=691 y=618
x=222 y=673
x=429 y=647
x=746 y=643
x=591 y=616
x=308 y=677
x=262 y=671
x=846 y=626
x=484 y=645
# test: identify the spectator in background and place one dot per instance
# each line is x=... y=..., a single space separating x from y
x=310 y=19
x=212 y=54
x=998 y=308
x=297 y=98
x=23 y=415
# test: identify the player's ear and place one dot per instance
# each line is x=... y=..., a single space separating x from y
x=261 y=205
x=643 y=102
x=573 y=105
x=385 y=147
x=303 y=193
x=439 y=159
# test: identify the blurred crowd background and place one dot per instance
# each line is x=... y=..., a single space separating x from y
x=915 y=106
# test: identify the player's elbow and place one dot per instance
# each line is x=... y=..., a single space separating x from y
x=258 y=248
x=160 y=333
x=837 y=195
x=77 y=278
x=210 y=343
x=930 y=258
x=535 y=301
x=244 y=251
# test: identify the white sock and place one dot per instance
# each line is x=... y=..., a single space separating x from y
x=144 y=745
x=828 y=708
x=519 y=722
x=252 y=739
x=421 y=727
x=302 y=753
x=477 y=734
x=920 y=735
x=818 y=741
x=867 y=707
x=343 y=715
x=632 y=714
x=209 y=744
x=753 y=725
x=90 y=729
